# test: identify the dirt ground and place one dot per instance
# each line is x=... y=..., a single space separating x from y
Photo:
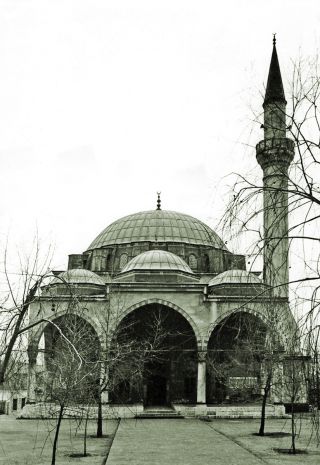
x=29 y=442
x=243 y=433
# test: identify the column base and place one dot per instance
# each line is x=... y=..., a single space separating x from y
x=201 y=410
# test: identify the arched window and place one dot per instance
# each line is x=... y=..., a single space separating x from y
x=108 y=262
x=206 y=264
x=123 y=260
x=193 y=262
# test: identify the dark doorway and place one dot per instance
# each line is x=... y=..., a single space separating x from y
x=2 y=407
x=156 y=391
x=157 y=383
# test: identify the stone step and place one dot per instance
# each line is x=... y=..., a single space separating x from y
x=142 y=416
x=236 y=415
x=163 y=413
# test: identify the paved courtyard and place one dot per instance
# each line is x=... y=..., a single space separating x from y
x=195 y=442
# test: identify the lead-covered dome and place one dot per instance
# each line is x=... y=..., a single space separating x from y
x=234 y=277
x=237 y=282
x=157 y=260
x=77 y=281
x=78 y=276
x=158 y=226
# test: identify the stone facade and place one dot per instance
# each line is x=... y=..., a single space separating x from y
x=205 y=306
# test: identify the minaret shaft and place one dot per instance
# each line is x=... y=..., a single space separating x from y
x=274 y=120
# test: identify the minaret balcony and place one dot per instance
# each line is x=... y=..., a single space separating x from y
x=275 y=151
x=277 y=143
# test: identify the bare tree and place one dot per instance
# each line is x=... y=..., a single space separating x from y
x=19 y=290
x=72 y=372
x=290 y=186
x=244 y=357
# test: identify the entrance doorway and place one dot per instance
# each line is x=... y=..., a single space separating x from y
x=156 y=383
x=156 y=394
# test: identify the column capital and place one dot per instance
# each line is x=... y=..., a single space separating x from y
x=202 y=356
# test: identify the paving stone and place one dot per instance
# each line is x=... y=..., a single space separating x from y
x=175 y=442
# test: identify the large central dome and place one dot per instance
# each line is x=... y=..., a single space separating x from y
x=158 y=226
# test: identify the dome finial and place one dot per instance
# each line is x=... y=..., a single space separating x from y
x=274 y=40
x=159 y=201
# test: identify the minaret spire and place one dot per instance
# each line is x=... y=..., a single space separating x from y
x=274 y=90
x=274 y=104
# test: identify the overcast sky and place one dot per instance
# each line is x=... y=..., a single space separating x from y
x=103 y=103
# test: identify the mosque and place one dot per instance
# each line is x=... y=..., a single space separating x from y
x=165 y=271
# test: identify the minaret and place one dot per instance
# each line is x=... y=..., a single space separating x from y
x=274 y=154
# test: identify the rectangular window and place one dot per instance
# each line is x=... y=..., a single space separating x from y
x=14 y=404
x=2 y=407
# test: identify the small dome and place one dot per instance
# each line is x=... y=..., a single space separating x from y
x=234 y=277
x=157 y=260
x=78 y=276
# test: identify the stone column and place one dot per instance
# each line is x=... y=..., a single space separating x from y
x=32 y=374
x=201 y=382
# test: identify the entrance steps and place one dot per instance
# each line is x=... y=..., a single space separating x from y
x=159 y=412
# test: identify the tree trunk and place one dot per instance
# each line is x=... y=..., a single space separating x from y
x=100 y=419
x=293 y=429
x=55 y=442
x=85 y=434
x=317 y=383
x=263 y=406
x=263 y=414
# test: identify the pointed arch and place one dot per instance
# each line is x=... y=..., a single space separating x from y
x=36 y=336
x=168 y=304
x=226 y=315
x=160 y=345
